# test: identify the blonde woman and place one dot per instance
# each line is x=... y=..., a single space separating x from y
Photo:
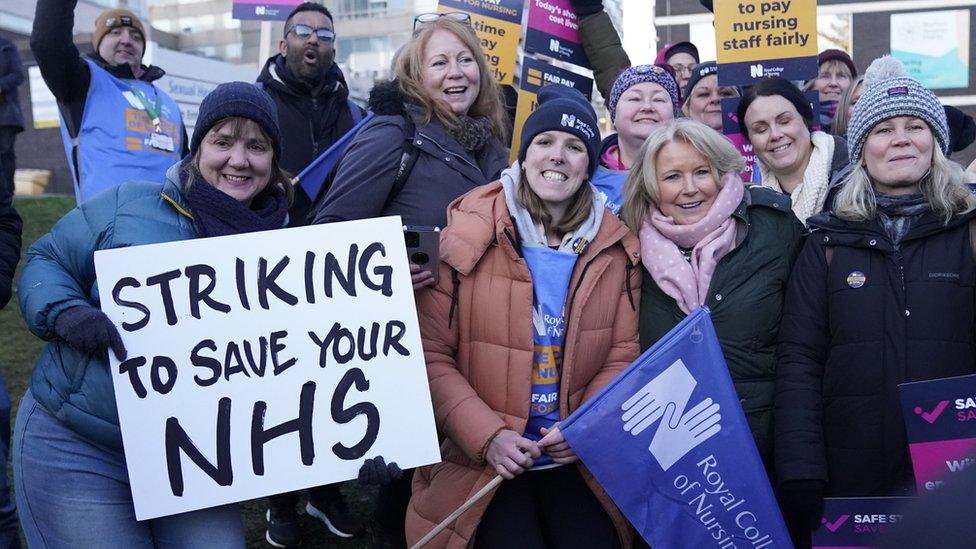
x=845 y=108
x=708 y=240
x=882 y=293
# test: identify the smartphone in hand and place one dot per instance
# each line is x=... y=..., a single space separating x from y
x=423 y=247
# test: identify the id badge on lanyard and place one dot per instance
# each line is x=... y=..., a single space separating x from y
x=158 y=139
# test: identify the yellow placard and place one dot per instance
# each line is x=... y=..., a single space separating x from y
x=756 y=30
x=499 y=43
x=527 y=102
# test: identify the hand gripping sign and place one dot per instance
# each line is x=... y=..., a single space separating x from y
x=265 y=362
x=668 y=441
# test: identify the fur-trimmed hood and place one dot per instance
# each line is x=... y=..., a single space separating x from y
x=386 y=98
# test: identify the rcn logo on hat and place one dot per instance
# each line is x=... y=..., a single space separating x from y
x=570 y=121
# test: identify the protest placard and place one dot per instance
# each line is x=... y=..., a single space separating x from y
x=756 y=39
x=265 y=362
x=730 y=128
x=552 y=29
x=857 y=522
x=263 y=10
x=940 y=418
x=536 y=74
x=668 y=441
x=498 y=24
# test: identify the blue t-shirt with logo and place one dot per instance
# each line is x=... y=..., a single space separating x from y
x=551 y=272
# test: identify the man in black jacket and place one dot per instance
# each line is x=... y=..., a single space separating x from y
x=116 y=125
x=314 y=111
x=10 y=229
x=314 y=108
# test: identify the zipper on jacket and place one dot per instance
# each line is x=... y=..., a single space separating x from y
x=455 y=155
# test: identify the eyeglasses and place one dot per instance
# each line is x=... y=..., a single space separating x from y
x=305 y=31
x=425 y=18
x=682 y=69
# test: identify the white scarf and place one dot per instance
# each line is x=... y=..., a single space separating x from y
x=808 y=197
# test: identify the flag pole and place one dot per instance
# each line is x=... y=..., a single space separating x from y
x=457 y=513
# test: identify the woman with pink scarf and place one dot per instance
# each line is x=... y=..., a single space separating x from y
x=706 y=239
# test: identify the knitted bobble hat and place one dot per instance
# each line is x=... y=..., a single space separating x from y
x=237 y=99
x=638 y=74
x=890 y=92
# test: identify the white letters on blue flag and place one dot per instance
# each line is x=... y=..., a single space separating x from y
x=668 y=441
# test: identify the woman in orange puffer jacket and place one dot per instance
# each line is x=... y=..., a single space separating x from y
x=534 y=312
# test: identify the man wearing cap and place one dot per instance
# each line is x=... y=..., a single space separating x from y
x=115 y=124
x=310 y=92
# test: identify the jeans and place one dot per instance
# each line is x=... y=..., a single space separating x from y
x=72 y=493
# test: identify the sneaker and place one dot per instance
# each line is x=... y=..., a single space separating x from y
x=283 y=528
x=334 y=512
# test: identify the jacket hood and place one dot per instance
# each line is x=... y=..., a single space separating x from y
x=270 y=76
x=481 y=218
x=608 y=142
x=386 y=98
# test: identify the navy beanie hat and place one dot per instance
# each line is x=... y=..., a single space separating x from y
x=563 y=109
x=240 y=99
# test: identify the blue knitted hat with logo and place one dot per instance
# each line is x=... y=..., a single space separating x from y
x=890 y=92
x=237 y=99
x=563 y=109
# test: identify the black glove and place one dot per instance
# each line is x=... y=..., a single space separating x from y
x=88 y=329
x=375 y=472
x=802 y=503
x=586 y=8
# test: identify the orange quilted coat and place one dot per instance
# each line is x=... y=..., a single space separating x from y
x=476 y=326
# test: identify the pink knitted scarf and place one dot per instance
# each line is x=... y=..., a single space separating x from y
x=709 y=240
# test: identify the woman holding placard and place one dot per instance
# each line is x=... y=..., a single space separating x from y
x=526 y=262
x=882 y=293
x=793 y=158
x=69 y=470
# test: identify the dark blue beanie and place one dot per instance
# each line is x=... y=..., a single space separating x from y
x=239 y=99
x=564 y=109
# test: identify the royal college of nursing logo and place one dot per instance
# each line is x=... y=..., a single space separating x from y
x=666 y=398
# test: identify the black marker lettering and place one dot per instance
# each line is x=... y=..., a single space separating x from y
x=302 y=425
x=194 y=272
x=129 y=282
x=341 y=414
x=162 y=280
x=176 y=440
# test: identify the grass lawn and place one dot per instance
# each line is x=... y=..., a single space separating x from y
x=20 y=349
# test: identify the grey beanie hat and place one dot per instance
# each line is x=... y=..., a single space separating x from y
x=890 y=92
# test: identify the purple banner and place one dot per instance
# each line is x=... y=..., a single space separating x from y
x=730 y=127
x=940 y=418
x=749 y=72
x=857 y=522
x=263 y=10
x=552 y=30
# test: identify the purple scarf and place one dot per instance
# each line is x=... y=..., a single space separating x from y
x=709 y=240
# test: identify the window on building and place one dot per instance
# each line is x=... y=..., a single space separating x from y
x=229 y=22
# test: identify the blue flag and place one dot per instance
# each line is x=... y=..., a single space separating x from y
x=668 y=441
x=312 y=176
